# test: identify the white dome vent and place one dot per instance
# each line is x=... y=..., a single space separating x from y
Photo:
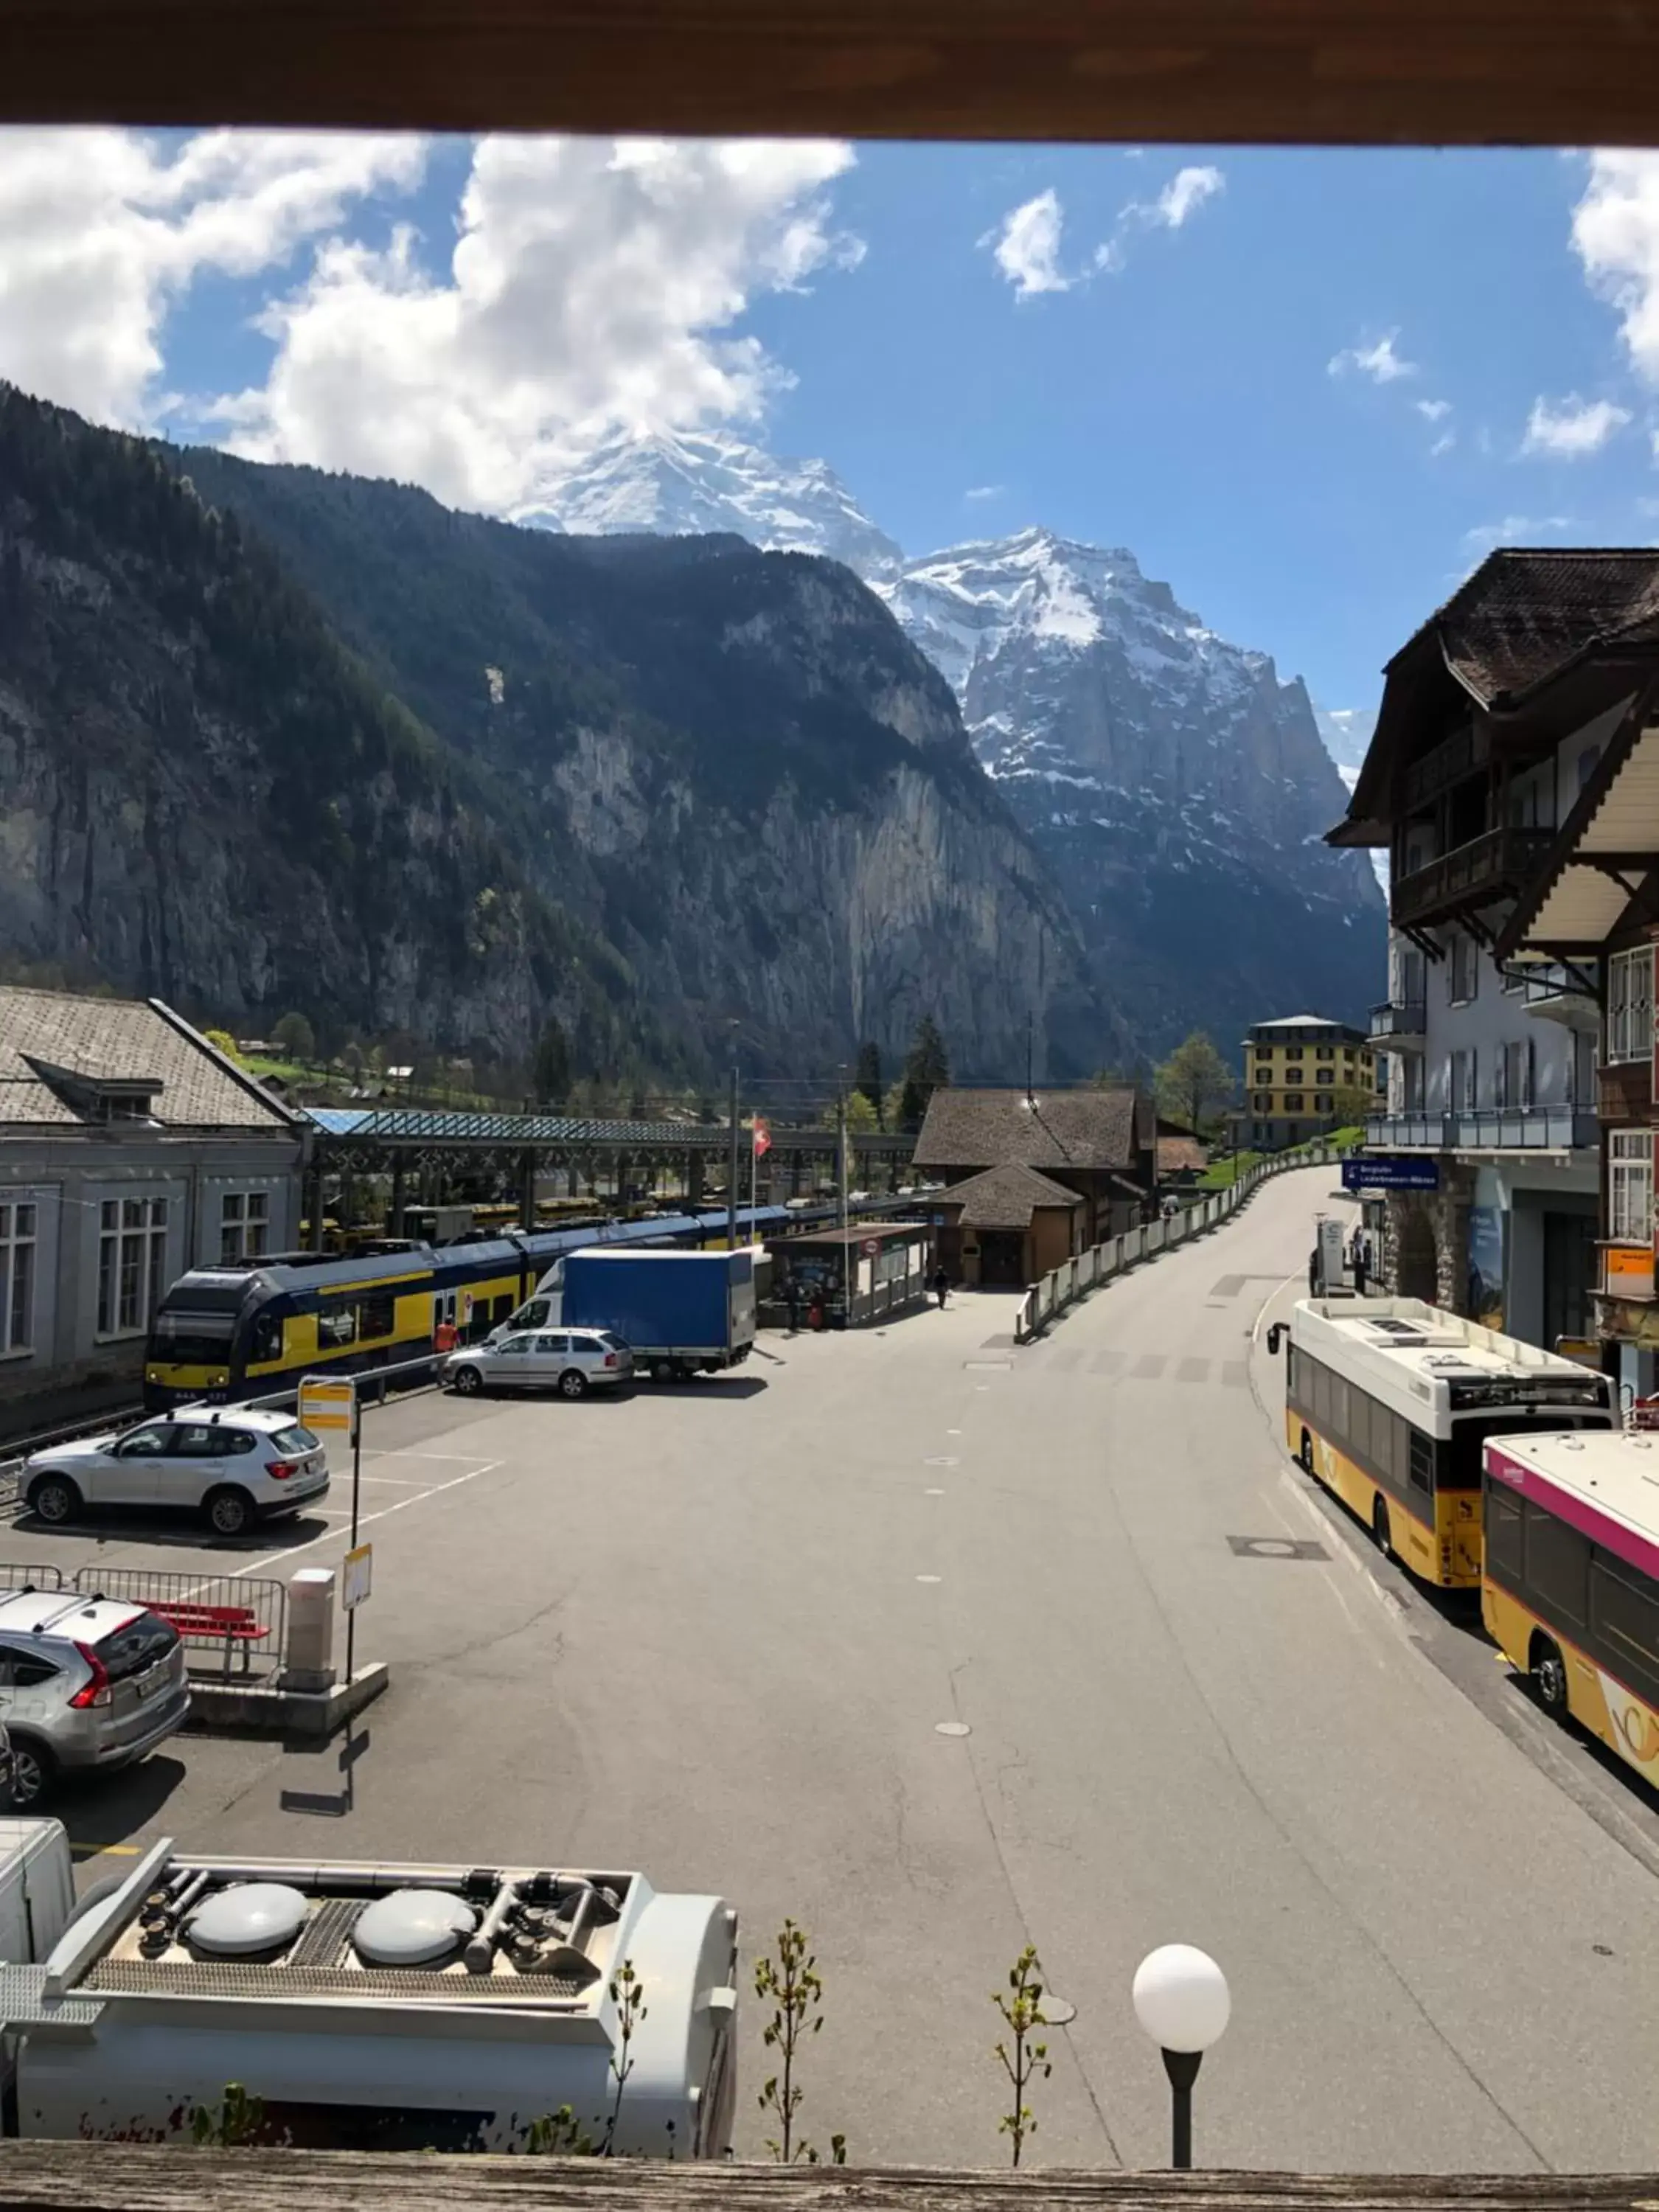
x=248 y=1918
x=412 y=1928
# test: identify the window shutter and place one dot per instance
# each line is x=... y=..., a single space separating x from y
x=1501 y=1078
x=1528 y=1072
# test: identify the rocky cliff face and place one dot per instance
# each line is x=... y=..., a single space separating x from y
x=1175 y=791
x=732 y=764
x=202 y=796
x=270 y=739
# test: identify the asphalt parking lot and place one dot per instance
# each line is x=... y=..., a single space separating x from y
x=942 y=1647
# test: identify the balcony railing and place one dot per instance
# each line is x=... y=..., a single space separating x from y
x=1399 y=1023
x=1485 y=1129
x=1469 y=749
x=1498 y=861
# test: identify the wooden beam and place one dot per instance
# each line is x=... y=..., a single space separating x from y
x=1378 y=71
x=113 y=2177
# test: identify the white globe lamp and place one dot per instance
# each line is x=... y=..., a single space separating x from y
x=1182 y=2000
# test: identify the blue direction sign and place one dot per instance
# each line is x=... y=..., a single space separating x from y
x=1390 y=1174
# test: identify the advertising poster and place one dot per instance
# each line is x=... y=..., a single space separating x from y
x=1487 y=1265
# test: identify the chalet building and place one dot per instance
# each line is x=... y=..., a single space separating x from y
x=1591 y=908
x=1098 y=1146
x=1500 y=722
x=130 y=1150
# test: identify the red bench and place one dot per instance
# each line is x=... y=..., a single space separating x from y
x=232 y=1625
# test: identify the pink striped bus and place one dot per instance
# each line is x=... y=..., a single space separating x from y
x=1570 y=1579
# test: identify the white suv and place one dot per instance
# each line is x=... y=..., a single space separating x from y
x=86 y=1685
x=233 y=1464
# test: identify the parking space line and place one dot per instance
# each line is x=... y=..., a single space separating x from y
x=262 y=1566
x=400 y=1481
x=391 y=1451
x=109 y=1850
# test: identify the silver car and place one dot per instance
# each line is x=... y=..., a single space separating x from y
x=233 y=1464
x=571 y=1361
x=86 y=1685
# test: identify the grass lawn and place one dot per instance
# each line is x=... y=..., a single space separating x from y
x=1222 y=1172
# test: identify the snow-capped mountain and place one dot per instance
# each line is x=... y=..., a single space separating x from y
x=1176 y=789
x=693 y=482
x=1346 y=731
x=1179 y=791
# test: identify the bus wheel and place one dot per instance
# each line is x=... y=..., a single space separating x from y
x=1380 y=1530
x=1306 y=1453
x=1549 y=1673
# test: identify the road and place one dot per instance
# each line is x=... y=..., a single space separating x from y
x=716 y=1633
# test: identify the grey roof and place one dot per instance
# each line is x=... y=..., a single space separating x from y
x=1080 y=1129
x=1528 y=612
x=104 y=1042
x=1005 y=1197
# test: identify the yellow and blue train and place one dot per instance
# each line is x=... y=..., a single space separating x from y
x=222 y=1333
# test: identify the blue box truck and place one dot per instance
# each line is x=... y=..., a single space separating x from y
x=681 y=1313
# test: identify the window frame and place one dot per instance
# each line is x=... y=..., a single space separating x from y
x=20 y=1247
x=1630 y=1185
x=132 y=1255
x=1628 y=1031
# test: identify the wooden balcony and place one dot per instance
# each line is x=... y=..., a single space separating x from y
x=1625 y=1091
x=1460 y=755
x=1490 y=867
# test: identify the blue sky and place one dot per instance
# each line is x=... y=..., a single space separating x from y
x=302 y=298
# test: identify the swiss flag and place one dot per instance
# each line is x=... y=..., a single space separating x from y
x=762 y=1139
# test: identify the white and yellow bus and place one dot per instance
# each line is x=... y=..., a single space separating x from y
x=1388 y=1402
x=1570 y=1589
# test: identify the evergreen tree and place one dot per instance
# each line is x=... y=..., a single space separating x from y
x=549 y=1071
x=867 y=1079
x=926 y=1068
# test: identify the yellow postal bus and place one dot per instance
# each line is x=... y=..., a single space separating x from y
x=1570 y=1592
x=1388 y=1402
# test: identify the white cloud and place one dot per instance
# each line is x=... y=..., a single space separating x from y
x=1434 y=410
x=1513 y=529
x=1379 y=361
x=1573 y=430
x=1185 y=192
x=593 y=283
x=1026 y=246
x=1616 y=233
x=983 y=491
x=1442 y=444
x=102 y=232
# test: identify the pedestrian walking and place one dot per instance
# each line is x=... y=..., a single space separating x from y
x=445 y=1336
x=941 y=1285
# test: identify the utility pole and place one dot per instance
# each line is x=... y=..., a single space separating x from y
x=732 y=1165
x=840 y=1126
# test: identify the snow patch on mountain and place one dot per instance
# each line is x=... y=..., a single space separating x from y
x=693 y=482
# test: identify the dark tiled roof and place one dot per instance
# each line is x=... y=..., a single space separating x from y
x=966 y=1128
x=1004 y=1198
x=115 y=1041
x=1525 y=613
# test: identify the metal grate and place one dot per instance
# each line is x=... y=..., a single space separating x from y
x=234 y=1978
x=324 y=1938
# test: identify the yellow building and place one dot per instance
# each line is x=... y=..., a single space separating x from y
x=1297 y=1072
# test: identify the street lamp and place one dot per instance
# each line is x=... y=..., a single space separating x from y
x=1182 y=2000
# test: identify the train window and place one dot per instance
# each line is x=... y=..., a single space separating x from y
x=337 y=1325
x=502 y=1307
x=377 y=1315
x=265 y=1338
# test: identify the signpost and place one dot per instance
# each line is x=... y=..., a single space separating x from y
x=357 y=1576
x=1390 y=1174
x=328 y=1404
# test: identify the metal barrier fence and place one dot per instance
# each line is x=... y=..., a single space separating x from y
x=16 y=1576
x=251 y=1626
x=1063 y=1286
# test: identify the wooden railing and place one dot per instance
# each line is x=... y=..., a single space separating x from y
x=1480 y=869
x=113 y=2177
